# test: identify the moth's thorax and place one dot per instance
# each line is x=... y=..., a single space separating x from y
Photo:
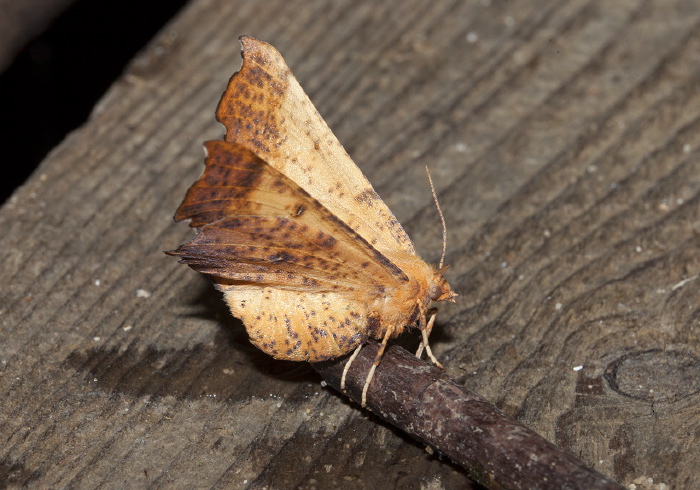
x=401 y=304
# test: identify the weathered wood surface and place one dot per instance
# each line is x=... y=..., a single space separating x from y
x=563 y=141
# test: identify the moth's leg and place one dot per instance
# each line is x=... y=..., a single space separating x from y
x=424 y=343
x=426 y=332
x=422 y=327
x=377 y=360
x=347 y=367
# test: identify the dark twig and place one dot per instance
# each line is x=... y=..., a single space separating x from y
x=424 y=402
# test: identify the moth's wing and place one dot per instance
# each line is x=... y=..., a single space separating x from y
x=257 y=227
x=265 y=109
x=298 y=326
x=300 y=279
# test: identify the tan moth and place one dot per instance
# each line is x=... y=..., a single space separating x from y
x=306 y=253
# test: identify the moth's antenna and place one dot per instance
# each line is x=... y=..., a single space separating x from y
x=442 y=219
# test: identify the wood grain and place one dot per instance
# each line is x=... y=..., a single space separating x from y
x=563 y=141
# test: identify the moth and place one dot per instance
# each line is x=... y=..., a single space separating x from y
x=306 y=253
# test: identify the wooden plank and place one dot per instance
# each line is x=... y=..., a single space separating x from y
x=563 y=141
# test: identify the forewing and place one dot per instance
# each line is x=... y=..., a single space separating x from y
x=257 y=227
x=265 y=109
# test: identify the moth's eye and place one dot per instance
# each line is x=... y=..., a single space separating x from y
x=435 y=292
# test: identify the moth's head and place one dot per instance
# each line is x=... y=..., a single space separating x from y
x=439 y=288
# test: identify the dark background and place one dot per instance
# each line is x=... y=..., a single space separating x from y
x=55 y=81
